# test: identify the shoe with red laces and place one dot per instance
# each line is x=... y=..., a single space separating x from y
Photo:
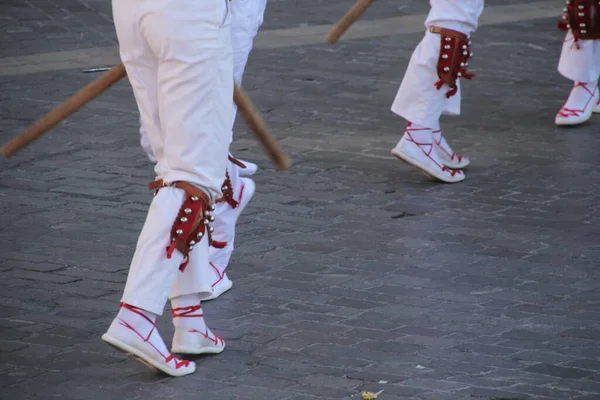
x=192 y=336
x=582 y=101
x=134 y=332
x=417 y=149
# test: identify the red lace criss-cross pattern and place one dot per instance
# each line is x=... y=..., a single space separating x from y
x=571 y=112
x=188 y=312
x=422 y=146
x=168 y=358
x=453 y=155
x=219 y=274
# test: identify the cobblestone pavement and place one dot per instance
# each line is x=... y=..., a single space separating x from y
x=353 y=272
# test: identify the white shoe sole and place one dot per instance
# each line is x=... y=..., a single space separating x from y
x=144 y=359
x=195 y=351
x=415 y=163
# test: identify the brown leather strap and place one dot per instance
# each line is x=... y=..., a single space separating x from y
x=189 y=189
x=237 y=162
x=448 y=32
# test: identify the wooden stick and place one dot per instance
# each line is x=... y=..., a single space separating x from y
x=260 y=129
x=60 y=113
x=109 y=78
x=347 y=20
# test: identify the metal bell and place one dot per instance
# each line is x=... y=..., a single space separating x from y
x=179 y=232
x=183 y=220
x=446 y=69
x=194 y=198
x=206 y=222
x=211 y=229
x=211 y=218
x=448 y=39
x=212 y=207
x=444 y=56
x=225 y=188
x=192 y=242
x=447 y=47
x=187 y=211
x=199 y=235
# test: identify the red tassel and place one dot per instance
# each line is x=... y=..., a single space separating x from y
x=452 y=92
x=218 y=245
x=562 y=26
x=439 y=84
x=171 y=249
x=184 y=264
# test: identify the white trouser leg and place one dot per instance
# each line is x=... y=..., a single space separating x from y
x=246 y=19
x=200 y=277
x=418 y=100
x=580 y=65
x=190 y=45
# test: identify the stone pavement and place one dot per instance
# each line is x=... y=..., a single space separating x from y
x=353 y=272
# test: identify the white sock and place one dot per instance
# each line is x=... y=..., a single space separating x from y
x=142 y=322
x=187 y=312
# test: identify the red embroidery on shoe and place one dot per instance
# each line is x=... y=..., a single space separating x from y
x=219 y=274
x=217 y=340
x=571 y=112
x=452 y=171
x=178 y=363
x=453 y=155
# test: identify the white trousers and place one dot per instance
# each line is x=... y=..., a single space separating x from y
x=580 y=65
x=418 y=100
x=178 y=59
x=246 y=18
